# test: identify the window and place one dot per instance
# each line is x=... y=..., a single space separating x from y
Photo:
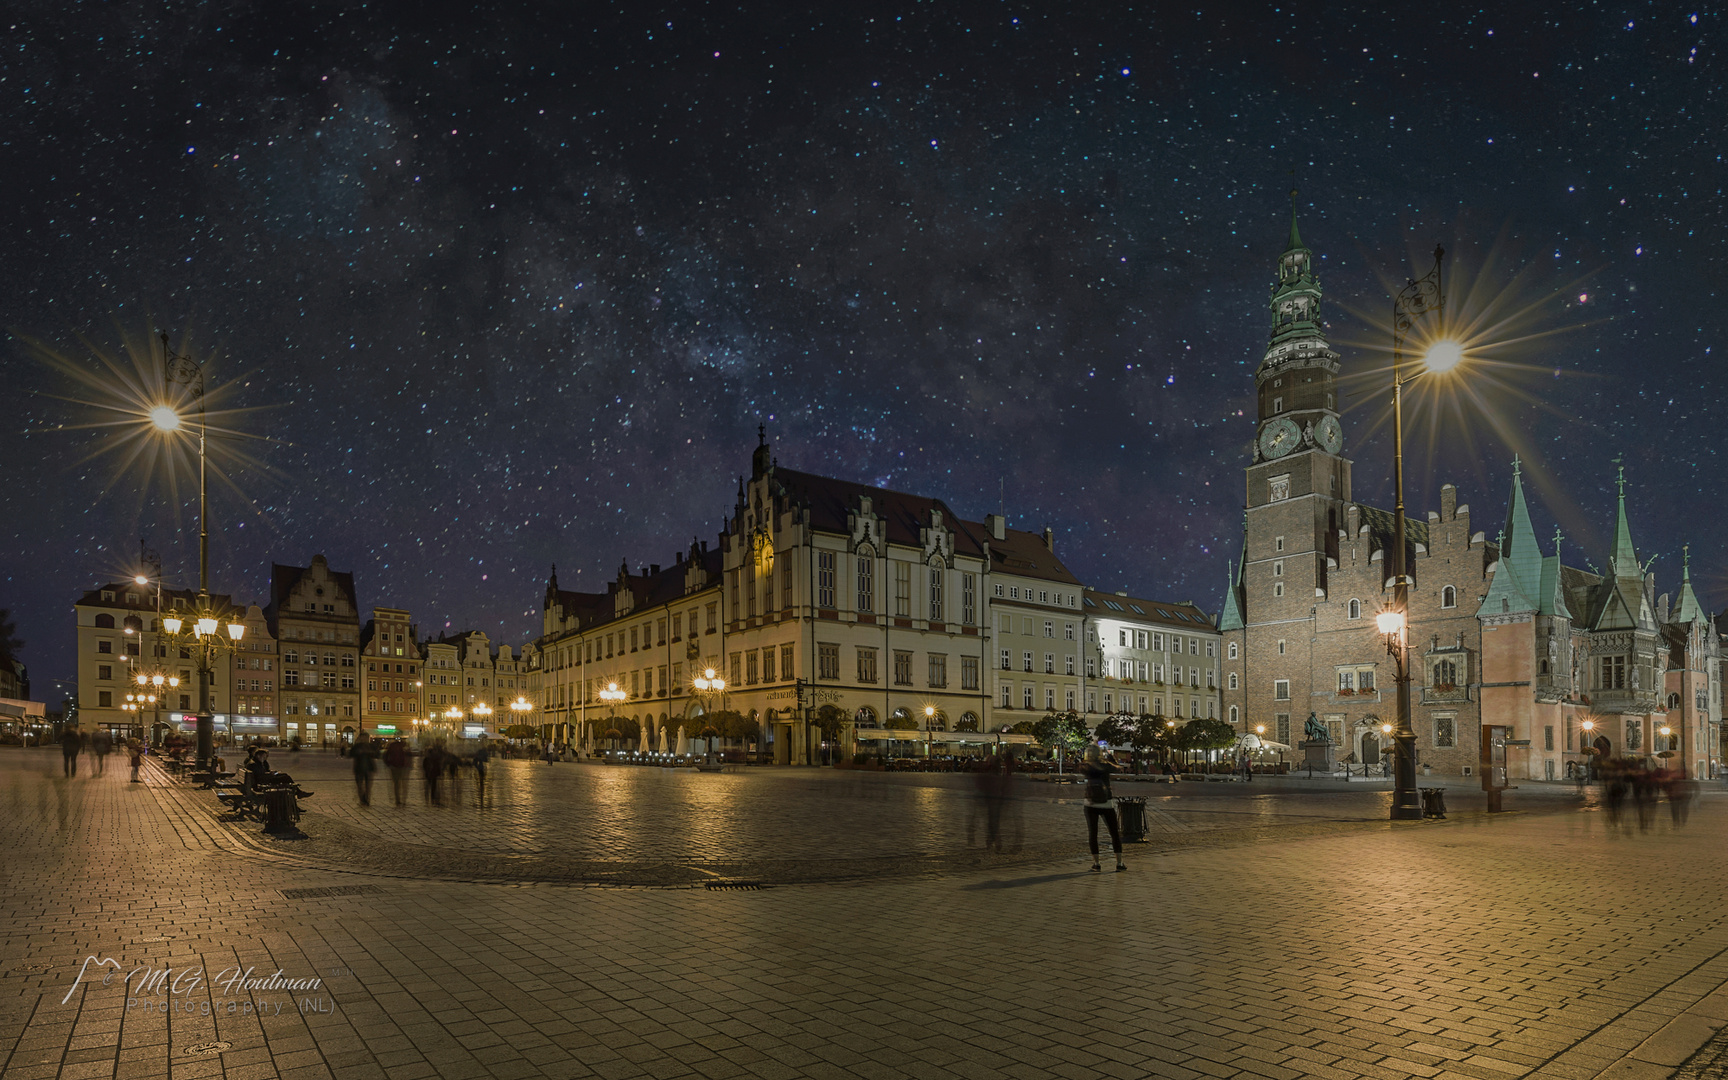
x=968 y=673
x=1049 y=663
x=1026 y=661
x=1068 y=698
x=1233 y=652
x=1614 y=674
x=903 y=590
x=902 y=667
x=1445 y=675
x=1007 y=660
x=1234 y=716
x=938 y=670
x=968 y=601
x=1280 y=646
x=999 y=589
x=1277 y=588
x=1278 y=543
x=785 y=582
x=1347 y=682
x=750 y=668
x=1278 y=568
x=1281 y=689
x=1050 y=698
x=1232 y=680
x=1281 y=724
x=1049 y=629
x=936 y=572
x=737 y=666
x=866 y=665
x=1026 y=695
x=1068 y=631
x=1445 y=731
x=1091 y=667
x=1448 y=597
x=105 y=671
x=105 y=699
x=866 y=580
x=1068 y=665
x=1548 y=737
x=1122 y=638
x=824 y=579
x=1355 y=609
x=768 y=664
x=1007 y=692
x=105 y=647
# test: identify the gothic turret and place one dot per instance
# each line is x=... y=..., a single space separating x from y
x=1296 y=378
x=1517 y=584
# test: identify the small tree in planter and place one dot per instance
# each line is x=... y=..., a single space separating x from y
x=1063 y=732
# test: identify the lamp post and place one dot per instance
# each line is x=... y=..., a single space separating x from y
x=612 y=694
x=203 y=637
x=708 y=685
x=1415 y=299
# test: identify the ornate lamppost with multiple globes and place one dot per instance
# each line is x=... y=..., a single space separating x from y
x=201 y=633
x=709 y=685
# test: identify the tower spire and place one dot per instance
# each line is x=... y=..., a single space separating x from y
x=1688 y=609
x=1295 y=243
x=1623 y=563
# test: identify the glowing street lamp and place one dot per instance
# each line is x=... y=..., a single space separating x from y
x=1443 y=355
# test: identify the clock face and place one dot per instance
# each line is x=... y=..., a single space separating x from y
x=1279 y=437
x=1330 y=435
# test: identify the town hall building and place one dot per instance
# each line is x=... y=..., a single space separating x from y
x=1576 y=664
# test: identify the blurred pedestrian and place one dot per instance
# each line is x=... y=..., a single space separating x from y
x=1682 y=791
x=135 y=752
x=101 y=745
x=549 y=752
x=365 y=757
x=71 y=745
x=396 y=757
x=431 y=766
x=482 y=757
x=1100 y=804
x=453 y=772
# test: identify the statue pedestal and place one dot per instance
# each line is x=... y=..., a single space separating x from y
x=1319 y=755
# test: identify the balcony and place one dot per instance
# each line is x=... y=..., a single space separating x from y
x=1445 y=694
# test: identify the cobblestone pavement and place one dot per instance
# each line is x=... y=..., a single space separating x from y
x=638 y=825
x=1542 y=945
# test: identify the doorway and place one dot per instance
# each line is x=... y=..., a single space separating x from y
x=1370 y=748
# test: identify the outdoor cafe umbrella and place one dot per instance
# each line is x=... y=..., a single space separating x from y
x=683 y=742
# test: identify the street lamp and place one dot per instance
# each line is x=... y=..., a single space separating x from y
x=205 y=639
x=1415 y=299
x=929 y=741
x=709 y=685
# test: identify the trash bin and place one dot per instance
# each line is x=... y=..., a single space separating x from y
x=1132 y=809
x=282 y=811
x=1433 y=802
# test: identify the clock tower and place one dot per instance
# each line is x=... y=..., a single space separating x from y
x=1299 y=480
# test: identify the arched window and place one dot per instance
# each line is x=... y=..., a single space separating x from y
x=936 y=575
x=1448 y=597
x=968 y=722
x=1232 y=680
x=1233 y=715
x=134 y=624
x=106 y=622
x=1673 y=701
x=1232 y=650
x=1355 y=609
x=866 y=718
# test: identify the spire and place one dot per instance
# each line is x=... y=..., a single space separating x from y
x=1624 y=561
x=1295 y=243
x=1688 y=609
x=1518 y=579
x=1553 y=590
x=1230 y=615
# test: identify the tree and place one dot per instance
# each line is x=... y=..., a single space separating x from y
x=11 y=645
x=1063 y=732
x=1204 y=735
x=900 y=722
x=964 y=724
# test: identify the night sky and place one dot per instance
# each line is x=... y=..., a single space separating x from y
x=491 y=289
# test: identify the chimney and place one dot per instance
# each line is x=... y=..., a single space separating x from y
x=654 y=568
x=998 y=526
x=1050 y=539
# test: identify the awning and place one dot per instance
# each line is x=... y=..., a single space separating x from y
x=989 y=738
x=18 y=707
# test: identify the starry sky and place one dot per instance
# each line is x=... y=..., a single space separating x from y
x=483 y=289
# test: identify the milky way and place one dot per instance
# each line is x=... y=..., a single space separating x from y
x=516 y=286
